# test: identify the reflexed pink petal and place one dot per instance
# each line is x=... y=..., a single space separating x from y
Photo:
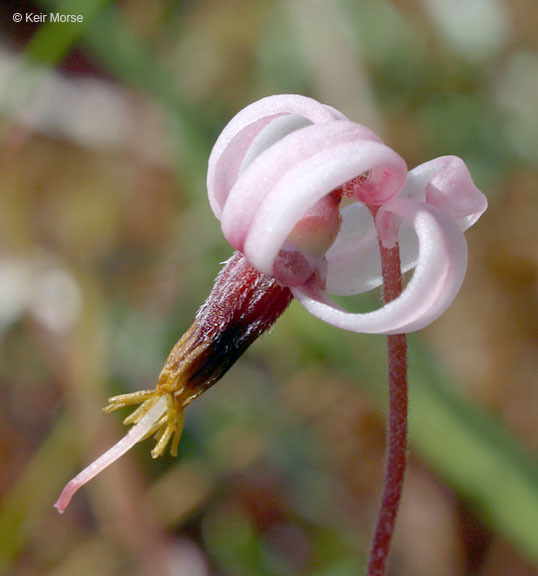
x=230 y=148
x=354 y=262
x=302 y=186
x=261 y=177
x=135 y=435
x=436 y=280
x=271 y=134
x=445 y=182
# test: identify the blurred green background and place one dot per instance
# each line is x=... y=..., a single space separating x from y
x=108 y=247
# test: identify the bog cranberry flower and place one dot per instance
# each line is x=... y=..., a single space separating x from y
x=282 y=156
x=315 y=206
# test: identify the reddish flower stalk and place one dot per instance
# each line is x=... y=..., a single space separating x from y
x=397 y=421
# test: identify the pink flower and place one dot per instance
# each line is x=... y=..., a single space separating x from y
x=270 y=178
x=294 y=184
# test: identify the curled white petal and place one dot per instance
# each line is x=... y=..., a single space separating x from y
x=285 y=202
x=135 y=435
x=277 y=174
x=354 y=262
x=446 y=183
x=271 y=134
x=234 y=141
x=436 y=280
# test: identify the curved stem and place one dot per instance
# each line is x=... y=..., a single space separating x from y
x=397 y=422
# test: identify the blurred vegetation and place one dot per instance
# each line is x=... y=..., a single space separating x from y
x=108 y=247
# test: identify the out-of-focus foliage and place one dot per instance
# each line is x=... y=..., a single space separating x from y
x=108 y=247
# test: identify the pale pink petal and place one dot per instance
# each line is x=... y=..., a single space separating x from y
x=266 y=227
x=230 y=148
x=354 y=263
x=261 y=177
x=135 y=435
x=271 y=134
x=446 y=182
x=436 y=280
